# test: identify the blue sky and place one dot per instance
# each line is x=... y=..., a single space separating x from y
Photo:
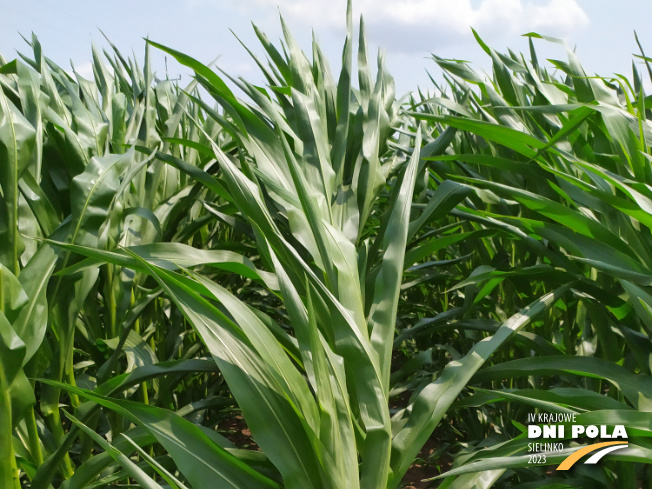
x=407 y=30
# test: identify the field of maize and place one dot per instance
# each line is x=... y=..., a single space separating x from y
x=316 y=283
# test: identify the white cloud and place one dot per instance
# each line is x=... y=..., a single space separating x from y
x=506 y=15
x=84 y=69
x=420 y=25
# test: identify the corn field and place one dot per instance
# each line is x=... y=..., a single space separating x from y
x=316 y=283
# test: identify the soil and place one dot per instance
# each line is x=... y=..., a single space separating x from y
x=418 y=471
x=235 y=429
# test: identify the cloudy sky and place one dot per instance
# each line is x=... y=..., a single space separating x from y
x=601 y=32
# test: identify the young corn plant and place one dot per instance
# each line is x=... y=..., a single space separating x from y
x=305 y=188
x=68 y=174
x=558 y=168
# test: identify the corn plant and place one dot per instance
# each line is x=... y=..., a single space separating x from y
x=68 y=173
x=558 y=167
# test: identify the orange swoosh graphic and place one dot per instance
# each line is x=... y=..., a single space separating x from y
x=575 y=456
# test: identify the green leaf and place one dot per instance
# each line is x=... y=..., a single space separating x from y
x=194 y=453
